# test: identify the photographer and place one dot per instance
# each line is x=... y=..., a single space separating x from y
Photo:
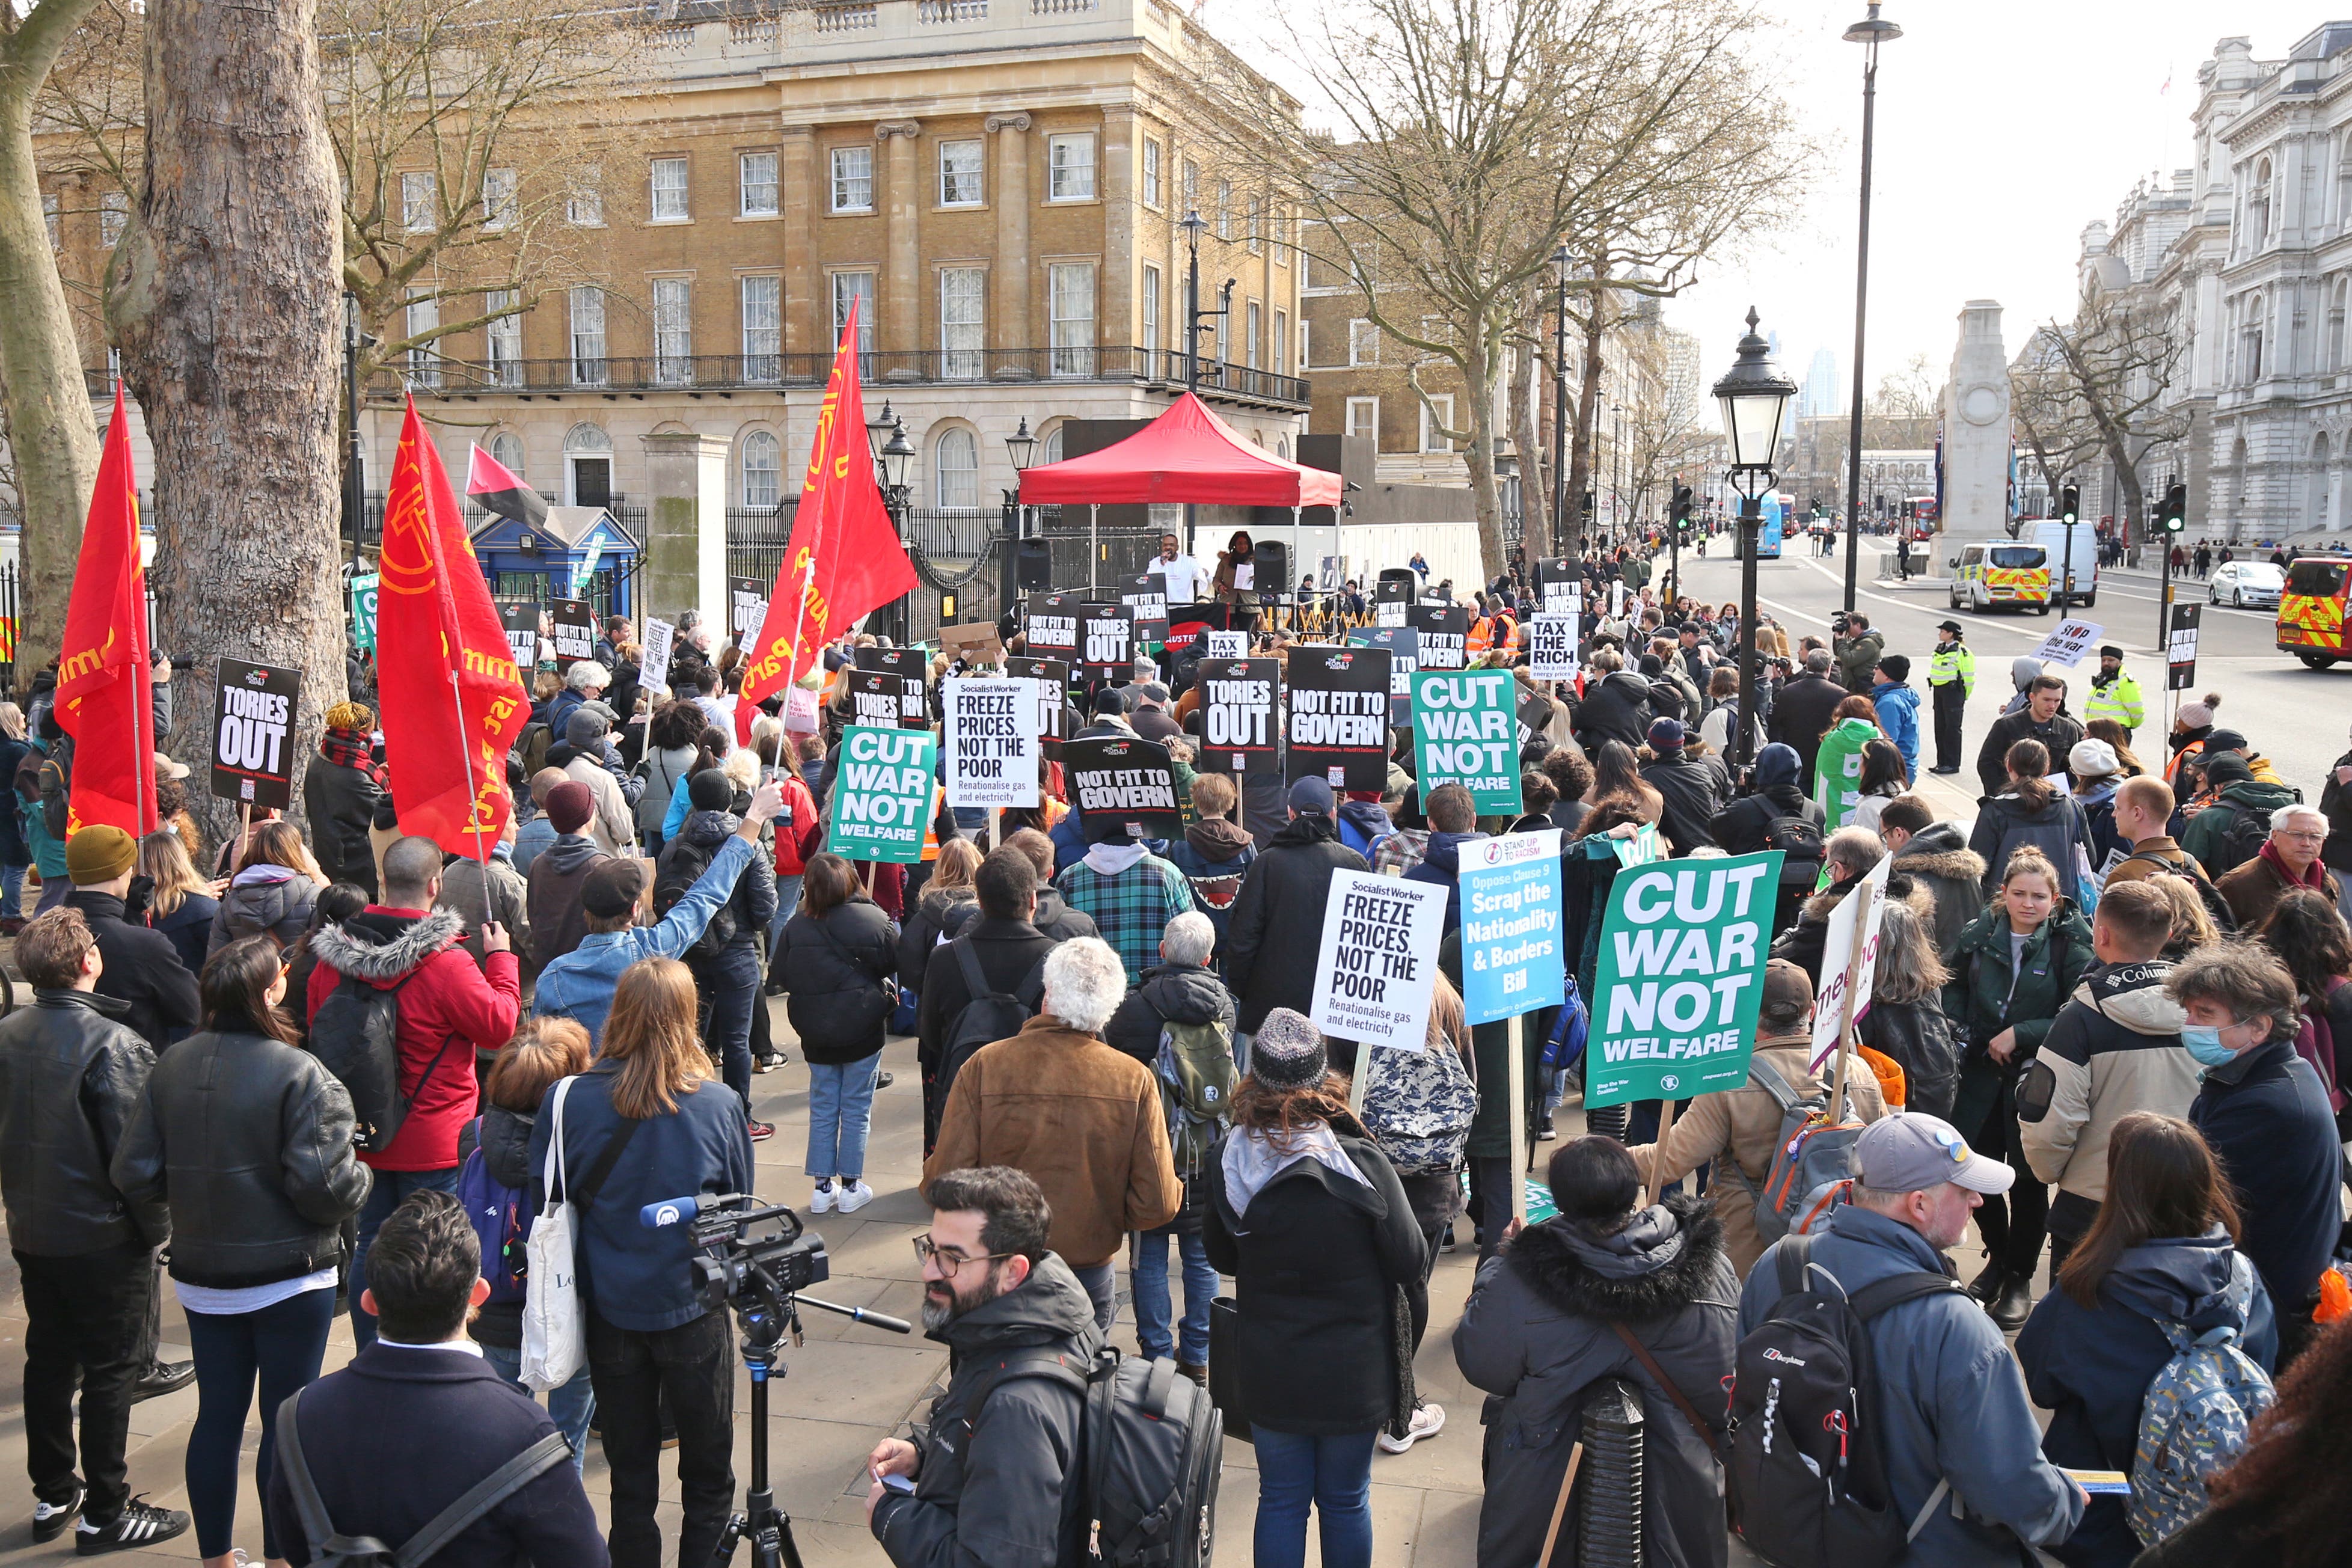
x=644 y=1124
x=990 y=1476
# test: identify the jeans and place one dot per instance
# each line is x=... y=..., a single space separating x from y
x=1101 y=1281
x=573 y=1406
x=730 y=982
x=391 y=1188
x=1242 y=1039
x=788 y=898
x=12 y=892
x=1334 y=1474
x=692 y=1368
x=53 y=892
x=85 y=1323
x=282 y=1345
x=841 y=1107
x=1149 y=1280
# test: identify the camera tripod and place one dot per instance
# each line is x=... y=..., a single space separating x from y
x=772 y=1314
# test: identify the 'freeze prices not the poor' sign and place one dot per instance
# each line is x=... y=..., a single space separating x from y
x=991 y=741
x=1510 y=925
x=1379 y=960
x=883 y=799
x=1681 y=978
x=1463 y=735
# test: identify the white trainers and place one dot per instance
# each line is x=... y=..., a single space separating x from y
x=822 y=1201
x=856 y=1195
x=1428 y=1421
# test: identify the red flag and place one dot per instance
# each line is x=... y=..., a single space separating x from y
x=451 y=699
x=844 y=558
x=103 y=681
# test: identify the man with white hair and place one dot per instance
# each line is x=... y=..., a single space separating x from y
x=585 y=680
x=2288 y=859
x=1083 y=1120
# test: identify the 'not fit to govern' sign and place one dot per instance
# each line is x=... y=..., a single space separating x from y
x=882 y=801
x=991 y=741
x=1681 y=978
x=1462 y=733
x=1378 y=959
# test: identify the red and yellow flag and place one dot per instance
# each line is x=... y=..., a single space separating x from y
x=844 y=558
x=103 y=681
x=451 y=697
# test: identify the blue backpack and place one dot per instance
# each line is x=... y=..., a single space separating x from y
x=1565 y=1046
x=501 y=1221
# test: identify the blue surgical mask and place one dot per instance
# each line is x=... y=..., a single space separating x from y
x=2204 y=1043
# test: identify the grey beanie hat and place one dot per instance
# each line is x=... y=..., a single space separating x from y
x=1288 y=1052
x=584 y=727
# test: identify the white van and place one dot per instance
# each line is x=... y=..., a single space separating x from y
x=2083 y=586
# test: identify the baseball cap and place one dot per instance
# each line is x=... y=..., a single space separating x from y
x=1914 y=1152
x=1313 y=796
x=2225 y=741
x=1788 y=993
x=612 y=888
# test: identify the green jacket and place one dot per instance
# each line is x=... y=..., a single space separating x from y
x=1837 y=774
x=1953 y=661
x=1857 y=658
x=2203 y=835
x=1981 y=1002
x=2118 y=699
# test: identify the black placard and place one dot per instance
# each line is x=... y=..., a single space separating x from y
x=252 y=734
x=1535 y=717
x=1107 y=634
x=1053 y=711
x=1147 y=593
x=1339 y=721
x=911 y=664
x=1391 y=596
x=1187 y=622
x=747 y=607
x=1403 y=645
x=1051 y=627
x=1444 y=634
x=1559 y=586
x=1241 y=715
x=521 y=619
x=573 y=625
x=1124 y=789
x=878 y=699
x=2180 y=647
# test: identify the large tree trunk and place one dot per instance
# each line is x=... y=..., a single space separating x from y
x=1581 y=439
x=51 y=431
x=1486 y=496
x=223 y=300
x=1534 y=469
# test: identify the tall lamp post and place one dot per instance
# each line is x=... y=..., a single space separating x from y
x=1023 y=448
x=1870 y=32
x=892 y=457
x=1753 y=398
x=1560 y=407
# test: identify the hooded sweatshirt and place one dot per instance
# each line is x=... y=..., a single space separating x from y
x=558 y=918
x=1362 y=825
x=1837 y=772
x=2115 y=1047
x=1442 y=864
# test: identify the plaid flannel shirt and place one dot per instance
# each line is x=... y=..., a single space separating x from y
x=1399 y=852
x=1132 y=909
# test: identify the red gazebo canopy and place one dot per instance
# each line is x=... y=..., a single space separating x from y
x=1188 y=454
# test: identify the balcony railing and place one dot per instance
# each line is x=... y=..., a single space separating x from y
x=886 y=369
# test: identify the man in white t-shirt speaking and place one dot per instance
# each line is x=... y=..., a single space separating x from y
x=1188 y=580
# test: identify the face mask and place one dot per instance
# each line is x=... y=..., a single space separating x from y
x=2204 y=1043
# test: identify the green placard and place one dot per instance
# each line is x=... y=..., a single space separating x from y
x=1681 y=978
x=1462 y=733
x=882 y=794
x=364 y=590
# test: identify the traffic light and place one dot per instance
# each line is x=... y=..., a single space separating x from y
x=2173 y=512
x=1683 y=511
x=2069 y=503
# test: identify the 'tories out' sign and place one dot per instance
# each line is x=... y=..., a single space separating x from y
x=253 y=726
x=882 y=799
x=1462 y=733
x=1681 y=978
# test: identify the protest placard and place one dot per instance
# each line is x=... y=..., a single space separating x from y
x=1403 y=646
x=912 y=666
x=364 y=589
x=877 y=697
x=1225 y=644
x=1391 y=596
x=1616 y=600
x=1680 y=978
x=521 y=619
x=1444 y=634
x=1125 y=791
x=573 y=625
x=253 y=729
x=991 y=741
x=1462 y=733
x=1146 y=592
x=1378 y=963
x=882 y=793
x=1849 y=960
x=1051 y=626
x=2071 y=643
x=747 y=609
x=1534 y=719
x=1241 y=706
x=2180 y=647
x=1559 y=587
x=1551 y=646
x=1338 y=726
x=1109 y=634
x=654 y=665
x=976 y=643
x=1051 y=678
x=1511 y=904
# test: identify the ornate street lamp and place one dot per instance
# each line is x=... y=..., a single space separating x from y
x=1022 y=445
x=892 y=461
x=1753 y=398
x=877 y=431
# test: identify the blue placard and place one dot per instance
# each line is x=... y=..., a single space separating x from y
x=1511 y=957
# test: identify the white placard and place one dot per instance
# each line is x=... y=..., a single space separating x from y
x=1378 y=959
x=1616 y=601
x=2071 y=643
x=1389 y=612
x=1551 y=646
x=1225 y=644
x=991 y=741
x=1244 y=576
x=1868 y=903
x=653 y=665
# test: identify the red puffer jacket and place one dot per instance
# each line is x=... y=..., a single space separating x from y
x=449 y=1002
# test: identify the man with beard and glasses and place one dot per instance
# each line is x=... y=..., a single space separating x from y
x=989 y=1475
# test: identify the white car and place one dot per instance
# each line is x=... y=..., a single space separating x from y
x=2246 y=584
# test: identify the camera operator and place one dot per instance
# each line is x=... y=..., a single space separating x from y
x=647 y=1123
x=990 y=1478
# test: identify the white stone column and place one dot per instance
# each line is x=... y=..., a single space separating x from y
x=1976 y=432
x=686 y=526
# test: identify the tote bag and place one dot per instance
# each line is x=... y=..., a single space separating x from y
x=555 y=1321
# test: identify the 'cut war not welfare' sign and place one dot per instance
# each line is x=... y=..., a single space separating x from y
x=1681 y=978
x=1462 y=733
x=882 y=797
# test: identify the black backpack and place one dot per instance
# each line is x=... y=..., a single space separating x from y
x=681 y=865
x=2243 y=834
x=988 y=1017
x=1801 y=848
x=356 y=1037
x=1150 y=1449
x=331 y=1549
x=1806 y=1479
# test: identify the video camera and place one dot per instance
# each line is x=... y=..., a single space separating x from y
x=750 y=1255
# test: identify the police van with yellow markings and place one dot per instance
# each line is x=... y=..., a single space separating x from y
x=1994 y=574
